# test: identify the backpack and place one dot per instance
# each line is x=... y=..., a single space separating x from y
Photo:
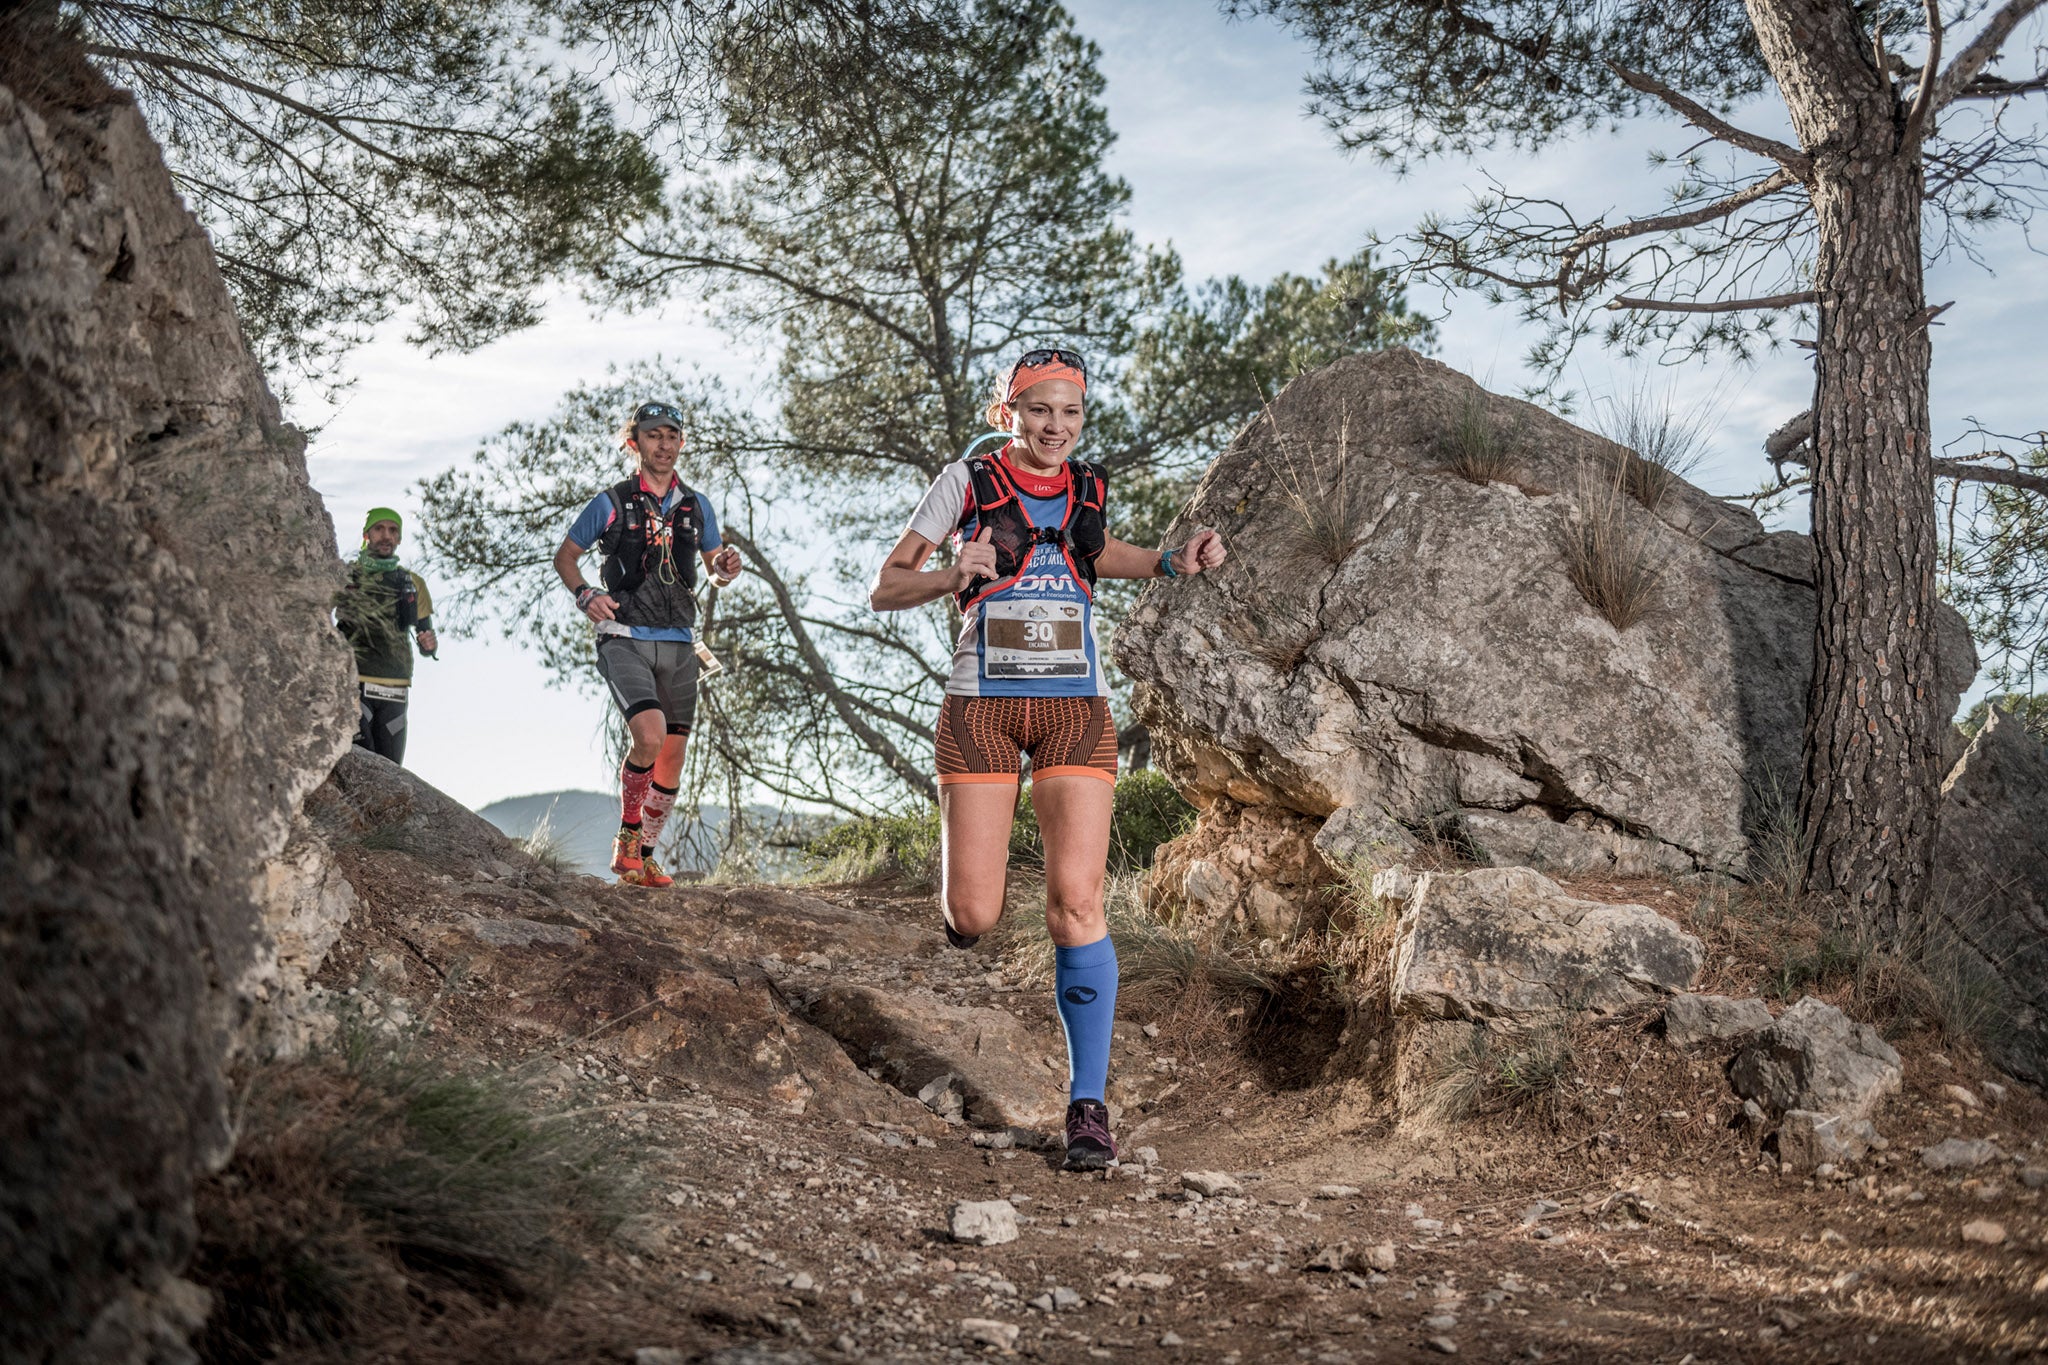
x=999 y=506
x=640 y=531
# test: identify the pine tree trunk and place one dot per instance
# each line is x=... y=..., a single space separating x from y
x=1871 y=785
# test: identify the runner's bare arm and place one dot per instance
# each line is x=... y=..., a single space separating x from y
x=903 y=582
x=1121 y=559
x=600 y=607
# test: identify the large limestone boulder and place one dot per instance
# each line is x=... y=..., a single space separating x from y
x=170 y=689
x=1992 y=888
x=1390 y=639
x=1507 y=946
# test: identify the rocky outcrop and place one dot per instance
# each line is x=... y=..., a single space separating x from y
x=1992 y=888
x=1393 y=640
x=305 y=903
x=1507 y=946
x=694 y=984
x=977 y=1065
x=169 y=690
x=1816 y=1058
x=1241 y=870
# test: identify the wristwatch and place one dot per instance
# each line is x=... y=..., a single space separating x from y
x=1166 y=569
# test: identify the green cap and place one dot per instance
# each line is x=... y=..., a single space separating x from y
x=378 y=514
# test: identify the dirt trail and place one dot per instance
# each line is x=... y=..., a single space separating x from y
x=796 y=1207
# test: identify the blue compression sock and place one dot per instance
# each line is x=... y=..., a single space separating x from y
x=1084 y=980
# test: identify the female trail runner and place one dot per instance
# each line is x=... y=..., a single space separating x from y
x=1028 y=681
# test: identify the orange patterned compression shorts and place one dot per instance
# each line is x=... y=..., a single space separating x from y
x=982 y=739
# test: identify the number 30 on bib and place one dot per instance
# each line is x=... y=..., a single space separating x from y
x=1033 y=640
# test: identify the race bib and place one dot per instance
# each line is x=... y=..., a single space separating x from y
x=1034 y=640
x=383 y=692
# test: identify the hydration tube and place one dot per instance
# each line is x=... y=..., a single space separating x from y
x=979 y=441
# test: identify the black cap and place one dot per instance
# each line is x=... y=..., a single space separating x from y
x=656 y=414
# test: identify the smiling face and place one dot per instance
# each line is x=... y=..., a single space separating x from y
x=382 y=538
x=1046 y=420
x=659 y=447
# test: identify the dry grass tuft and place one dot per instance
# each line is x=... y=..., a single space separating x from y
x=372 y=1191
x=1612 y=552
x=1329 y=514
x=1497 y=1073
x=1662 y=443
x=1476 y=449
x=546 y=847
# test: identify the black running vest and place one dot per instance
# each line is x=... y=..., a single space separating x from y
x=638 y=550
x=998 y=505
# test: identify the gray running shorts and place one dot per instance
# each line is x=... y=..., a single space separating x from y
x=651 y=675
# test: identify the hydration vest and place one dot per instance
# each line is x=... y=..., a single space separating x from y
x=377 y=614
x=641 y=533
x=999 y=506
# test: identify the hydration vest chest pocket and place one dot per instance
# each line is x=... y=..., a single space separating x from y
x=1034 y=640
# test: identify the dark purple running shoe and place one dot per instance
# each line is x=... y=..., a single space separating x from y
x=1089 y=1145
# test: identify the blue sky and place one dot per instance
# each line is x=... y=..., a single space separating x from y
x=1223 y=165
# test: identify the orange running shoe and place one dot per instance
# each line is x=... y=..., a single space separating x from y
x=626 y=860
x=650 y=874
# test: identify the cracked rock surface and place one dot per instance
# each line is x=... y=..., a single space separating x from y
x=1389 y=637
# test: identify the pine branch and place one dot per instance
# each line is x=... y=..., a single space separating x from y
x=1978 y=473
x=1923 y=98
x=1980 y=53
x=1672 y=222
x=1804 y=296
x=1704 y=119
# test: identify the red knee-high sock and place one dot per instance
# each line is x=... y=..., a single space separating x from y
x=633 y=784
x=654 y=811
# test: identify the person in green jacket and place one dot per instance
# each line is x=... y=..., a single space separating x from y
x=383 y=608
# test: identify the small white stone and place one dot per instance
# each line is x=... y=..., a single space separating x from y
x=984 y=1223
x=1984 y=1232
x=1210 y=1184
x=990 y=1332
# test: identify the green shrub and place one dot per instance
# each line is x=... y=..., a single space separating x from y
x=905 y=846
x=1148 y=812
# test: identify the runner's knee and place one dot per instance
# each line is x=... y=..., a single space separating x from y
x=648 y=729
x=973 y=914
x=1073 y=908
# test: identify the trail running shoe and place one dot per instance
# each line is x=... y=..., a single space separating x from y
x=626 y=852
x=1089 y=1145
x=650 y=874
x=958 y=939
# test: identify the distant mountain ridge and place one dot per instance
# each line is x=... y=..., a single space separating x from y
x=582 y=823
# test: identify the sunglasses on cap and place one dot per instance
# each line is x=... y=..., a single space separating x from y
x=1046 y=355
x=657 y=412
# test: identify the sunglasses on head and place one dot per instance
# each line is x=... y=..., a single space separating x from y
x=1045 y=355
x=657 y=412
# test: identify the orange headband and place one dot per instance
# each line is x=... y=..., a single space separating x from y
x=1022 y=378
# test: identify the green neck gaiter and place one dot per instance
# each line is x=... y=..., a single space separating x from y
x=377 y=563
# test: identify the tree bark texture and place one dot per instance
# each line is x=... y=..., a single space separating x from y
x=1873 y=742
